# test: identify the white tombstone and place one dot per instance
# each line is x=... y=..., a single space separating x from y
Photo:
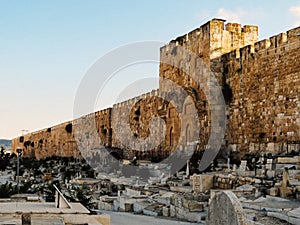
x=188 y=168
x=228 y=164
x=269 y=165
x=234 y=167
x=243 y=165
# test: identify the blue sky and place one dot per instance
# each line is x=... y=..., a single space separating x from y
x=47 y=46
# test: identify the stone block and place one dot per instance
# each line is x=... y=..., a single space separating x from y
x=250 y=217
x=126 y=204
x=138 y=207
x=243 y=166
x=277 y=199
x=202 y=183
x=288 y=160
x=285 y=191
x=293 y=220
x=128 y=207
x=193 y=206
x=181 y=213
x=116 y=205
x=172 y=211
x=274 y=191
x=294 y=213
x=278 y=215
x=251 y=206
x=132 y=192
x=195 y=217
x=148 y=212
x=182 y=189
x=106 y=206
x=246 y=188
x=166 y=212
x=163 y=201
x=26 y=219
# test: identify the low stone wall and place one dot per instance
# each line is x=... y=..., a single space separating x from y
x=233 y=181
x=189 y=207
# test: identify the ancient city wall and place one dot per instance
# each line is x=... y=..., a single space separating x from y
x=260 y=82
x=56 y=140
x=131 y=123
x=188 y=62
x=263 y=114
x=59 y=140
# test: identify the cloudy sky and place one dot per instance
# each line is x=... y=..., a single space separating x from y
x=46 y=47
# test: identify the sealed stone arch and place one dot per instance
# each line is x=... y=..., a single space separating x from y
x=190 y=126
x=225 y=209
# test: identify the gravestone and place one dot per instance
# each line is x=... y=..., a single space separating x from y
x=202 y=183
x=270 y=164
x=285 y=190
x=243 y=166
x=228 y=164
x=285 y=178
x=234 y=168
x=187 y=172
x=196 y=183
x=225 y=209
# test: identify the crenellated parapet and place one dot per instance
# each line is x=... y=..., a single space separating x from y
x=213 y=39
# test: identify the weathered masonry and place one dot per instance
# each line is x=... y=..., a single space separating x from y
x=260 y=81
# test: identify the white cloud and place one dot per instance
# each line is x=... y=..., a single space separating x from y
x=231 y=16
x=295 y=12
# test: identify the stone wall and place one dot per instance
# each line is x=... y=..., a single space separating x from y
x=188 y=207
x=260 y=82
x=132 y=125
x=60 y=140
x=222 y=181
x=263 y=114
x=47 y=142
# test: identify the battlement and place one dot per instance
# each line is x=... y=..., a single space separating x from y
x=273 y=43
x=103 y=112
x=293 y=34
x=134 y=100
x=214 y=38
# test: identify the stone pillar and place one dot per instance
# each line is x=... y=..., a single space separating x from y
x=285 y=178
x=285 y=190
x=228 y=163
x=187 y=168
